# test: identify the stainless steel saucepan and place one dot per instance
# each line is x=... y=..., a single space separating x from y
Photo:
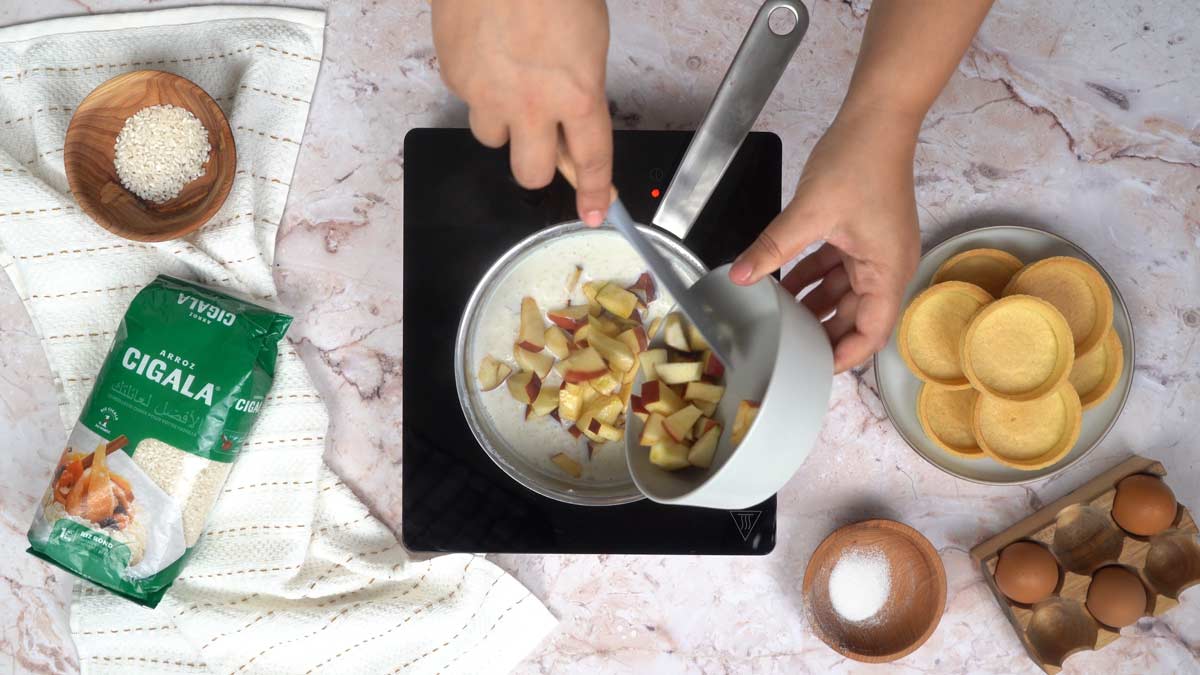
x=788 y=366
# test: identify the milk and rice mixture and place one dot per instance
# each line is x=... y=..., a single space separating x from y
x=542 y=274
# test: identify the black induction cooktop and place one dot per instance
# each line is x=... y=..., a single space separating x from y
x=462 y=211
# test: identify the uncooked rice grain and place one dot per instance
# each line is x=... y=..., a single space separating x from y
x=161 y=149
x=193 y=481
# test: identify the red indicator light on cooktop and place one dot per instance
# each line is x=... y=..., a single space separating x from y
x=655 y=192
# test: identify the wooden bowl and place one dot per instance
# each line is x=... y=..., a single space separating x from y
x=90 y=148
x=914 y=605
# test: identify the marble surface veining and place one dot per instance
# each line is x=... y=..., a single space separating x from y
x=1083 y=118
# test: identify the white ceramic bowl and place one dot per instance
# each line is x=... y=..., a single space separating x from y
x=898 y=387
x=789 y=369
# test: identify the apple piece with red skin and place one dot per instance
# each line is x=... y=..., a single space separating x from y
x=703 y=391
x=574 y=431
x=555 y=415
x=702 y=425
x=661 y=399
x=644 y=288
x=679 y=424
x=583 y=365
x=614 y=351
x=673 y=333
x=653 y=432
x=570 y=401
x=525 y=386
x=635 y=338
x=569 y=318
x=617 y=300
x=746 y=412
x=605 y=409
x=669 y=456
x=712 y=365
x=702 y=451
x=557 y=342
x=492 y=373
x=532 y=336
x=650 y=359
x=638 y=406
x=539 y=362
x=603 y=433
x=679 y=373
x=568 y=465
x=546 y=401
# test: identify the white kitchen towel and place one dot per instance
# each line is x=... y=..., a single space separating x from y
x=294 y=574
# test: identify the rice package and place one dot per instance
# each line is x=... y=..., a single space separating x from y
x=185 y=379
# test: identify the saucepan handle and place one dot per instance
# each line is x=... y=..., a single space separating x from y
x=756 y=69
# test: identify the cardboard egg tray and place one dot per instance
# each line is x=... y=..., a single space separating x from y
x=1054 y=628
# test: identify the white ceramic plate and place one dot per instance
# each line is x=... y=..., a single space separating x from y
x=898 y=387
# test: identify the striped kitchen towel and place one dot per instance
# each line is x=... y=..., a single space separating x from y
x=294 y=574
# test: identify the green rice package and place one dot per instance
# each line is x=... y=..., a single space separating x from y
x=185 y=379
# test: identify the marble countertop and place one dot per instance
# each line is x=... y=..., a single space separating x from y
x=1075 y=117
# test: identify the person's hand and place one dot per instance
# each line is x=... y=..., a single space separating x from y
x=856 y=194
x=525 y=68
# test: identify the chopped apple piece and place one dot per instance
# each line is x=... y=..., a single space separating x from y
x=631 y=374
x=703 y=391
x=570 y=466
x=539 y=362
x=702 y=451
x=557 y=342
x=661 y=399
x=707 y=407
x=673 y=333
x=654 y=326
x=614 y=352
x=583 y=365
x=678 y=373
x=569 y=318
x=650 y=361
x=606 y=384
x=525 y=386
x=695 y=340
x=617 y=300
x=573 y=279
x=532 y=336
x=574 y=431
x=712 y=365
x=492 y=373
x=546 y=401
x=588 y=393
x=606 y=409
x=644 y=288
x=590 y=289
x=746 y=412
x=679 y=425
x=669 y=456
x=653 y=432
x=602 y=433
x=626 y=393
x=605 y=325
x=581 y=335
x=570 y=401
x=635 y=338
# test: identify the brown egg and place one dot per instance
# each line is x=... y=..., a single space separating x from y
x=1144 y=505
x=1026 y=572
x=1116 y=597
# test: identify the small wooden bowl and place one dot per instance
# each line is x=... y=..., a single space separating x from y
x=914 y=605
x=90 y=148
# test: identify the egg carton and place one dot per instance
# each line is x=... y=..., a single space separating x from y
x=1054 y=628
